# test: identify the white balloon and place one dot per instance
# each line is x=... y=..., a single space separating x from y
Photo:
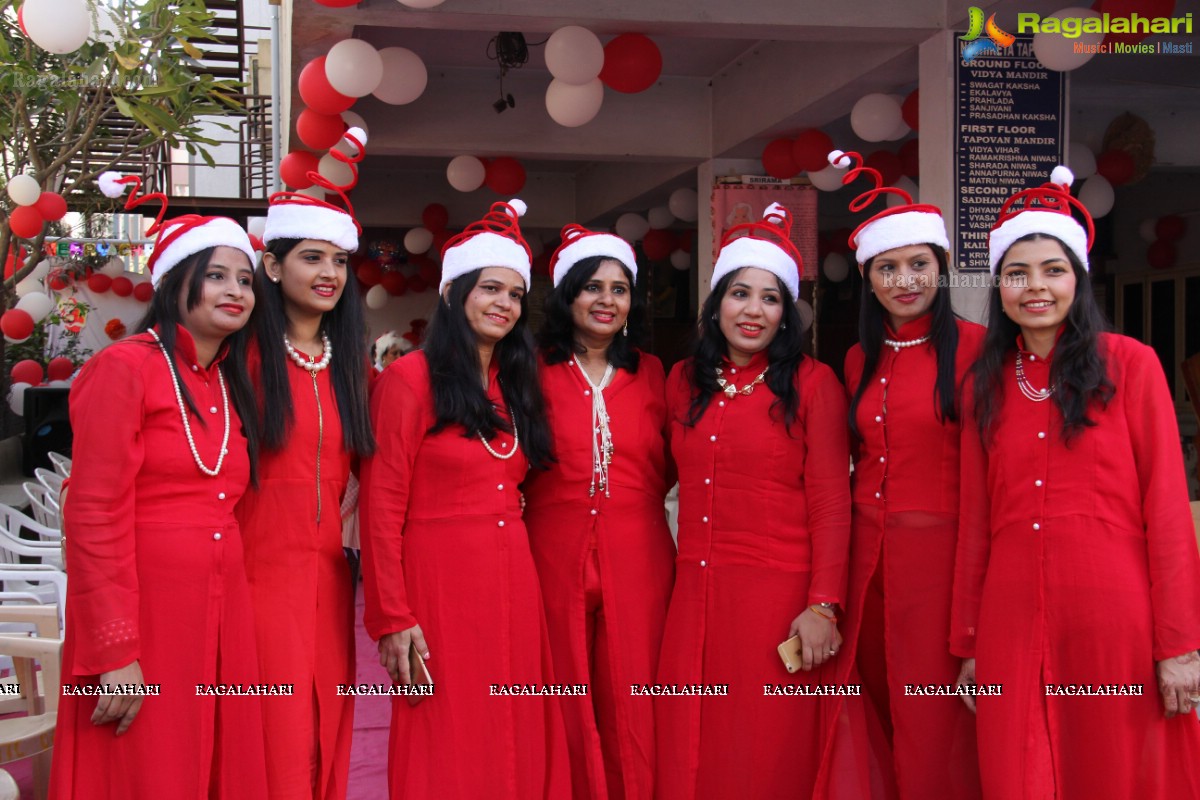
x=16 y=398
x=1059 y=53
x=24 y=190
x=684 y=204
x=377 y=297
x=353 y=67
x=900 y=131
x=418 y=241
x=57 y=26
x=421 y=3
x=828 y=179
x=404 y=76
x=906 y=183
x=632 y=227
x=836 y=267
x=256 y=226
x=574 y=55
x=1147 y=230
x=807 y=315
x=61 y=384
x=681 y=260
x=36 y=305
x=41 y=270
x=113 y=268
x=536 y=246
x=660 y=217
x=315 y=192
x=572 y=106
x=466 y=173
x=28 y=284
x=1097 y=196
x=336 y=172
x=1081 y=160
x=354 y=120
x=875 y=117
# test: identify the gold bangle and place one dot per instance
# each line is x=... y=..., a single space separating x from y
x=820 y=613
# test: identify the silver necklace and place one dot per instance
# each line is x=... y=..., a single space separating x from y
x=312 y=366
x=1036 y=395
x=899 y=345
x=187 y=428
x=602 y=442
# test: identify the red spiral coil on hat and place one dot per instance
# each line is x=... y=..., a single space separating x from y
x=871 y=195
x=1049 y=197
x=329 y=186
x=775 y=227
x=501 y=219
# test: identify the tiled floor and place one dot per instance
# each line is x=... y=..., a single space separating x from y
x=368 y=754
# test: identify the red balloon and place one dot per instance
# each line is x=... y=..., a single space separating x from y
x=910 y=158
x=338 y=3
x=439 y=241
x=416 y=284
x=1170 y=228
x=17 y=324
x=778 y=161
x=910 y=109
x=369 y=274
x=122 y=286
x=657 y=244
x=632 y=63
x=57 y=280
x=21 y=20
x=1148 y=9
x=685 y=240
x=27 y=371
x=295 y=166
x=60 y=368
x=430 y=273
x=99 y=283
x=143 y=292
x=319 y=131
x=505 y=176
x=51 y=206
x=811 y=149
x=839 y=240
x=1160 y=255
x=316 y=91
x=436 y=217
x=1116 y=165
x=14 y=261
x=888 y=164
x=395 y=282
x=541 y=264
x=25 y=222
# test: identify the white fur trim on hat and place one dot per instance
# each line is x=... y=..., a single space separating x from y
x=310 y=221
x=485 y=249
x=1056 y=224
x=748 y=252
x=594 y=244
x=217 y=232
x=900 y=230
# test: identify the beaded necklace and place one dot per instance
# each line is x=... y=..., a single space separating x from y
x=187 y=427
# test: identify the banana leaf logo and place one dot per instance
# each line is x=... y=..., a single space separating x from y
x=997 y=38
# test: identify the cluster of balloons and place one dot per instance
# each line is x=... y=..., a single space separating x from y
x=29 y=373
x=34 y=207
x=1063 y=54
x=582 y=67
x=1162 y=234
x=652 y=230
x=1113 y=167
x=503 y=175
x=382 y=274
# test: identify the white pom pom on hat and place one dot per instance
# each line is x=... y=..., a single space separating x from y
x=1062 y=176
x=111 y=184
x=839 y=159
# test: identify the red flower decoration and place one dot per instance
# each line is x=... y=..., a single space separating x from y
x=115 y=329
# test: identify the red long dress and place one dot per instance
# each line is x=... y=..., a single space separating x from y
x=606 y=565
x=906 y=492
x=303 y=601
x=1082 y=570
x=444 y=546
x=764 y=528
x=155 y=558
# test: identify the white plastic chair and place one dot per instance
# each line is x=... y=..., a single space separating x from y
x=47 y=549
x=51 y=480
x=44 y=504
x=62 y=464
x=13 y=521
x=32 y=735
x=35 y=583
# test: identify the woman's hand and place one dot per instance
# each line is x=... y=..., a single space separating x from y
x=121 y=709
x=393 y=653
x=966 y=677
x=1179 y=683
x=819 y=638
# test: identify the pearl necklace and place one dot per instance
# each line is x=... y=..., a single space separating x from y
x=731 y=390
x=898 y=345
x=602 y=443
x=187 y=428
x=312 y=366
x=516 y=441
x=1036 y=395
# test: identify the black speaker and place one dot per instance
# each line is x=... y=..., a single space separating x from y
x=47 y=426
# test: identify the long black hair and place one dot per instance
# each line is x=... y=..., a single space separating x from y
x=557 y=337
x=188 y=275
x=943 y=335
x=784 y=354
x=1078 y=372
x=452 y=353
x=346 y=328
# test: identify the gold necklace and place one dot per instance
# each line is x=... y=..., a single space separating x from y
x=731 y=390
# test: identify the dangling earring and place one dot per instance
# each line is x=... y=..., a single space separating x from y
x=714 y=317
x=783 y=326
x=625 y=330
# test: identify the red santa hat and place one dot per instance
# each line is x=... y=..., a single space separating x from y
x=899 y=226
x=579 y=243
x=494 y=241
x=292 y=215
x=177 y=238
x=766 y=245
x=1045 y=209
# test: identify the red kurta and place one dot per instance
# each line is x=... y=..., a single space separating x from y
x=157 y=575
x=1084 y=571
x=606 y=565
x=444 y=546
x=906 y=493
x=764 y=528
x=303 y=601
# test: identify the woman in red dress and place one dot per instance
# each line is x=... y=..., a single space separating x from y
x=158 y=598
x=596 y=518
x=903 y=382
x=446 y=564
x=309 y=365
x=1078 y=585
x=758 y=431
